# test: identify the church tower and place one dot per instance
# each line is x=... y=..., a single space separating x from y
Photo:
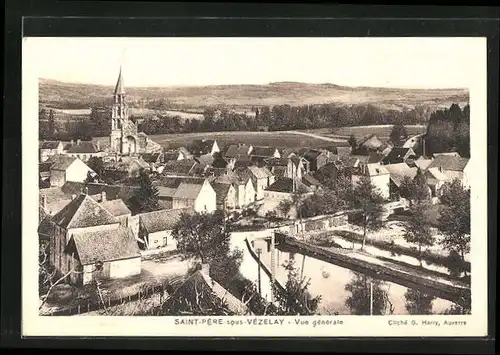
x=123 y=137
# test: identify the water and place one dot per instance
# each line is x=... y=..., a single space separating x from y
x=330 y=282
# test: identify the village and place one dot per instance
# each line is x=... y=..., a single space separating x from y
x=109 y=214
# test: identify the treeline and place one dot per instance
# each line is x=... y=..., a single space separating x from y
x=449 y=130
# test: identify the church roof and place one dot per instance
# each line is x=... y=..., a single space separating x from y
x=119 y=88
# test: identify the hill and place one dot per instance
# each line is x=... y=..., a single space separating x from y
x=58 y=94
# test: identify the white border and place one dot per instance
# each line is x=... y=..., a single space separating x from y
x=476 y=324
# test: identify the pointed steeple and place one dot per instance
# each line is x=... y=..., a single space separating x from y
x=120 y=88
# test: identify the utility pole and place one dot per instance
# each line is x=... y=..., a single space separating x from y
x=371 y=298
x=259 y=251
x=272 y=266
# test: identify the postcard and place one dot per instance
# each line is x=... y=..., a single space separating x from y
x=330 y=187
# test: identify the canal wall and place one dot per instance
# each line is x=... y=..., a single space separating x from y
x=457 y=294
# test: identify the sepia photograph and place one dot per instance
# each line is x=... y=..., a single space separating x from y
x=312 y=178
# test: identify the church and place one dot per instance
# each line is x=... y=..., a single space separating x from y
x=125 y=138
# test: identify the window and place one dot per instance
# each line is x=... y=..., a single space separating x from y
x=165 y=240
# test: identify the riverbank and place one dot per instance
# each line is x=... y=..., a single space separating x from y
x=372 y=266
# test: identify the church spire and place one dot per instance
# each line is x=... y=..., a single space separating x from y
x=120 y=88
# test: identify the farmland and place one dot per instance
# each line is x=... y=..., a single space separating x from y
x=382 y=131
x=276 y=139
x=135 y=111
x=243 y=97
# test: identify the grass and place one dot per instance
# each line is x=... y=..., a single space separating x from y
x=224 y=139
x=382 y=131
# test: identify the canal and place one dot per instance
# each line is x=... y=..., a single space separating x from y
x=344 y=292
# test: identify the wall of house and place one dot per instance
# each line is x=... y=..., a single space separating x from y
x=124 y=220
x=133 y=224
x=206 y=199
x=125 y=268
x=321 y=161
x=162 y=239
x=57 y=246
x=381 y=182
x=231 y=198
x=182 y=203
x=57 y=178
x=85 y=156
x=249 y=193
x=466 y=176
x=261 y=185
x=77 y=171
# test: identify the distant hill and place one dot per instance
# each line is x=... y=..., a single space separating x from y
x=53 y=92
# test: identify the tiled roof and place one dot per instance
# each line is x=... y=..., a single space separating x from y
x=312 y=154
x=187 y=191
x=397 y=155
x=206 y=159
x=286 y=185
x=257 y=172
x=201 y=146
x=164 y=191
x=279 y=171
x=183 y=167
x=44 y=167
x=377 y=169
x=370 y=141
x=400 y=171
x=184 y=152
x=61 y=162
x=447 y=162
x=162 y=220
x=116 y=207
x=263 y=151
x=422 y=164
x=221 y=191
x=277 y=162
x=171 y=156
x=374 y=157
x=83 y=212
x=85 y=147
x=49 y=144
x=235 y=150
x=174 y=182
x=75 y=188
x=200 y=282
x=434 y=173
x=310 y=180
x=106 y=245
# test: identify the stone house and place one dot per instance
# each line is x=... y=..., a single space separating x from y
x=89 y=239
x=83 y=150
x=225 y=194
x=187 y=192
x=47 y=149
x=155 y=228
x=454 y=167
x=204 y=146
x=65 y=168
x=379 y=177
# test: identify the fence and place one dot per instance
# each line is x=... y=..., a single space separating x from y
x=90 y=305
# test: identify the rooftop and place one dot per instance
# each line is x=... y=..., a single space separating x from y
x=449 y=162
x=106 y=245
x=116 y=207
x=162 y=220
x=83 y=212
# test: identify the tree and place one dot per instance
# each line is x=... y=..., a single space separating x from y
x=146 y=196
x=369 y=207
x=206 y=238
x=418 y=228
x=415 y=190
x=360 y=299
x=418 y=303
x=398 y=133
x=353 y=142
x=295 y=299
x=90 y=178
x=96 y=164
x=454 y=220
x=284 y=207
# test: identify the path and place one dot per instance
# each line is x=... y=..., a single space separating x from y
x=312 y=135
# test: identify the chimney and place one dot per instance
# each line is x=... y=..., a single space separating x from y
x=98 y=146
x=78 y=141
x=103 y=196
x=72 y=142
x=205 y=268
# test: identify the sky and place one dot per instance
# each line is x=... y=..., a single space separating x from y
x=174 y=61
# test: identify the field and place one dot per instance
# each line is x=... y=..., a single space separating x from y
x=242 y=97
x=382 y=131
x=138 y=112
x=224 y=139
